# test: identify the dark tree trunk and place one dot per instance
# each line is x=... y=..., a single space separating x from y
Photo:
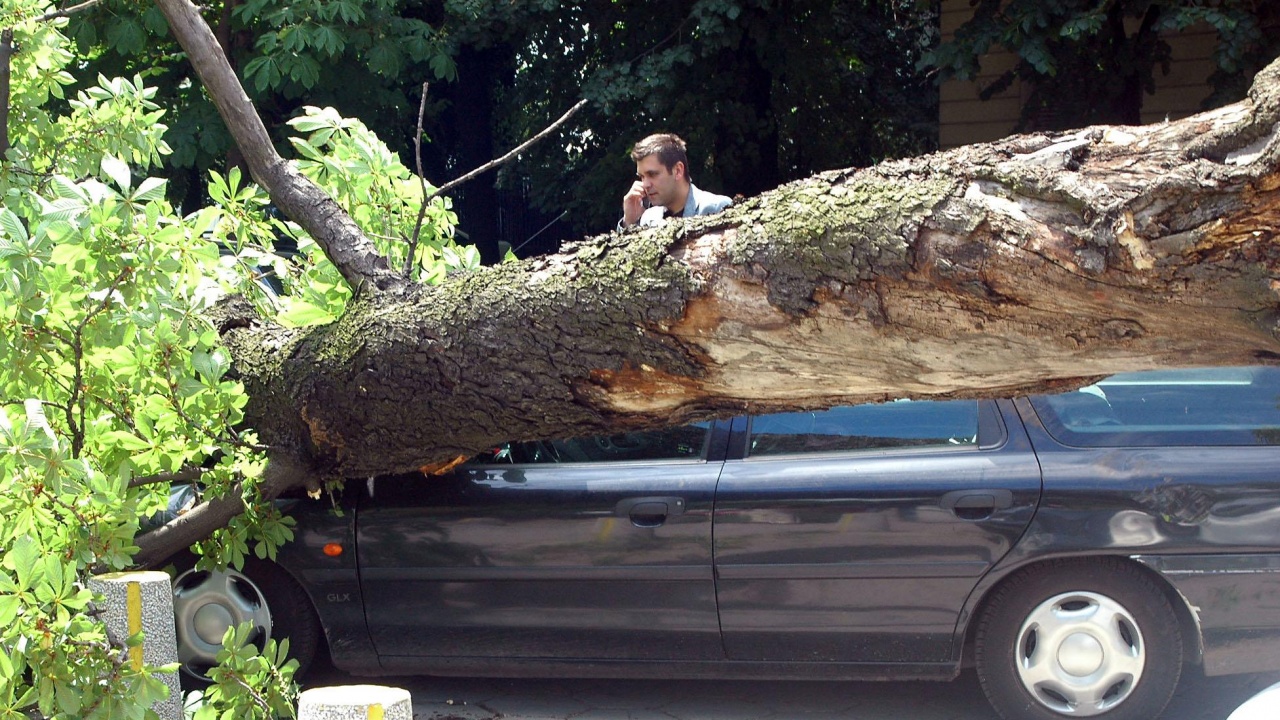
x=986 y=270
x=479 y=71
x=761 y=171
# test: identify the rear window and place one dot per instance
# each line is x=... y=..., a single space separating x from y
x=1206 y=406
x=903 y=423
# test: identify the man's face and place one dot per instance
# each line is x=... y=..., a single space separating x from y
x=662 y=186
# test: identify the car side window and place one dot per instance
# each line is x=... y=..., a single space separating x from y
x=898 y=424
x=1204 y=406
x=685 y=442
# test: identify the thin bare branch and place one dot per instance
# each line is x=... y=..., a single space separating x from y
x=511 y=155
x=6 y=53
x=158 y=545
x=422 y=179
x=68 y=11
x=185 y=475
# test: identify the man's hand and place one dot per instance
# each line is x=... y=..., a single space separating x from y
x=633 y=204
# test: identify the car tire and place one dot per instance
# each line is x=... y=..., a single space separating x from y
x=1079 y=639
x=206 y=603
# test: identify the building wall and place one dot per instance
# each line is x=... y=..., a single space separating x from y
x=964 y=119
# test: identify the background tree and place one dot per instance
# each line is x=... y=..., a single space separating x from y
x=764 y=91
x=761 y=101
x=1092 y=61
x=348 y=54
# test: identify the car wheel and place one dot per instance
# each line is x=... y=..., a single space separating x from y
x=206 y=603
x=1079 y=639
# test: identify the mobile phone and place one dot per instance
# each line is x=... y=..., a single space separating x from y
x=644 y=203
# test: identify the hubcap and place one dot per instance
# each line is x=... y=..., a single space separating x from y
x=205 y=604
x=1080 y=654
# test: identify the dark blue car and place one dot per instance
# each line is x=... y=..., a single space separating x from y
x=1080 y=549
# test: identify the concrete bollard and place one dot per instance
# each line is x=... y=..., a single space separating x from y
x=355 y=702
x=143 y=601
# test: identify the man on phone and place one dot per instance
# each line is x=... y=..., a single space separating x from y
x=662 y=188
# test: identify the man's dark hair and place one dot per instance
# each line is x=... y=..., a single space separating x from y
x=669 y=148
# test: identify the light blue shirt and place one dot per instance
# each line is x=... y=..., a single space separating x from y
x=699 y=202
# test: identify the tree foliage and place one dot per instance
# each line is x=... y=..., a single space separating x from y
x=1091 y=61
x=349 y=54
x=114 y=383
x=765 y=91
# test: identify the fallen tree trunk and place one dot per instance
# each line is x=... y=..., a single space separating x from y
x=1021 y=265
x=992 y=269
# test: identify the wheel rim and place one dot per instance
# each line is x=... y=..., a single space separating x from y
x=1080 y=654
x=205 y=604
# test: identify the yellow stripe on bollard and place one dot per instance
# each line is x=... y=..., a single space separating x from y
x=133 y=608
x=375 y=712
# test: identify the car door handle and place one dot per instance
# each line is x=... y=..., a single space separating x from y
x=648 y=512
x=977 y=504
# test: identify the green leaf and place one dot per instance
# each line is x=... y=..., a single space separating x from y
x=118 y=170
x=68 y=254
x=150 y=189
x=12 y=225
x=67 y=189
x=8 y=613
x=302 y=314
x=311 y=123
x=68 y=698
x=36 y=417
x=126 y=34
x=211 y=365
x=444 y=67
x=125 y=440
x=23 y=557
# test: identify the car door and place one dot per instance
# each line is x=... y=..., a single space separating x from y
x=856 y=534
x=587 y=548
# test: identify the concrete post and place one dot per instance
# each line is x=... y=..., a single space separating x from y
x=144 y=601
x=355 y=702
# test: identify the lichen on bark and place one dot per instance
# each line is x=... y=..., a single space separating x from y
x=841 y=226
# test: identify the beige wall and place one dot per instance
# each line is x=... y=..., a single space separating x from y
x=964 y=119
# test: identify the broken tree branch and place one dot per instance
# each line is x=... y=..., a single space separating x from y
x=422 y=181
x=355 y=256
x=511 y=155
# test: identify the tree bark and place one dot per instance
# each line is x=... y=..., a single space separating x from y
x=1028 y=264
x=988 y=270
x=6 y=57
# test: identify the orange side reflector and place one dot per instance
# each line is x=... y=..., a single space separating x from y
x=332 y=549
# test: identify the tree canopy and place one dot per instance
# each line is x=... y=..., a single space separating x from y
x=761 y=102
x=1090 y=62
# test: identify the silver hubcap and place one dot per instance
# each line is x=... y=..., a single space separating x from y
x=1080 y=654
x=205 y=604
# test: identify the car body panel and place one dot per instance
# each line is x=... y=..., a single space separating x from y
x=1236 y=601
x=863 y=557
x=543 y=561
x=331 y=581
x=1210 y=534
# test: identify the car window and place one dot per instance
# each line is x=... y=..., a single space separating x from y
x=1205 y=406
x=685 y=442
x=902 y=423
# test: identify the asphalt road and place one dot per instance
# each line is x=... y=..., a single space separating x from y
x=1198 y=698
